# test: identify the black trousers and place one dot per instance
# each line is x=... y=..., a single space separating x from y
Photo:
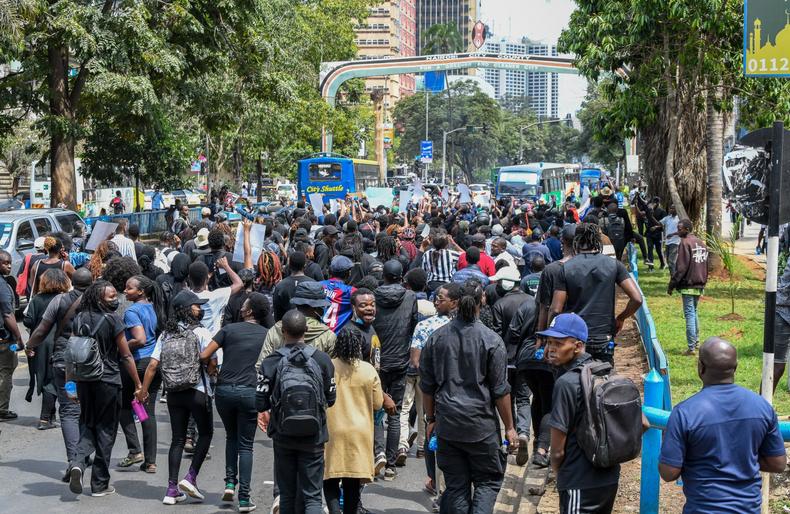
x=541 y=383
x=655 y=242
x=100 y=404
x=352 y=492
x=127 y=419
x=394 y=384
x=182 y=404
x=599 y=500
x=473 y=474
x=299 y=471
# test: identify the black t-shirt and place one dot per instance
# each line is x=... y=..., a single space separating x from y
x=576 y=472
x=84 y=323
x=590 y=280
x=313 y=271
x=241 y=344
x=283 y=292
x=548 y=282
x=368 y=334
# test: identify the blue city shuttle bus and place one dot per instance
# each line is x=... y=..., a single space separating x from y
x=335 y=175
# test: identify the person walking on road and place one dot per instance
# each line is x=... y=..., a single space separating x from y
x=348 y=454
x=235 y=393
x=698 y=444
x=463 y=377
x=298 y=399
x=9 y=334
x=188 y=388
x=100 y=400
x=690 y=278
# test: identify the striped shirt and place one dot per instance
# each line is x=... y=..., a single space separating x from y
x=445 y=267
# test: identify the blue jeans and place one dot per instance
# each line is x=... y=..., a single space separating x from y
x=236 y=407
x=690 y=302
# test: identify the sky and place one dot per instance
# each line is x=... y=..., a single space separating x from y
x=539 y=20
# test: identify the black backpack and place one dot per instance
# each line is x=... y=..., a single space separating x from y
x=614 y=227
x=610 y=431
x=82 y=355
x=298 y=403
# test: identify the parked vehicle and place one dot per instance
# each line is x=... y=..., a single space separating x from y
x=287 y=191
x=20 y=228
x=481 y=194
x=187 y=196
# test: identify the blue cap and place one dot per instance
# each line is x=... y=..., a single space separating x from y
x=566 y=325
x=340 y=264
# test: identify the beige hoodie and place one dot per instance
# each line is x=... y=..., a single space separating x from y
x=318 y=336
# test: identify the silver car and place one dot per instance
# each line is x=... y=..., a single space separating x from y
x=20 y=228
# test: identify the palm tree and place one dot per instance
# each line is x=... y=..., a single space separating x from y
x=10 y=11
x=714 y=135
x=442 y=38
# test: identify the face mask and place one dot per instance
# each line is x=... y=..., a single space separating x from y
x=112 y=306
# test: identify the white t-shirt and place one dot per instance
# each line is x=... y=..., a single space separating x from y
x=214 y=308
x=205 y=338
x=125 y=246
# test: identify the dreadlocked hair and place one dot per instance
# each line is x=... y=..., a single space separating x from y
x=348 y=346
x=180 y=317
x=353 y=247
x=153 y=293
x=387 y=248
x=471 y=298
x=92 y=300
x=270 y=270
x=587 y=238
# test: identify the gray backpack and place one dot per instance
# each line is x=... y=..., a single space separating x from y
x=82 y=355
x=180 y=360
x=610 y=431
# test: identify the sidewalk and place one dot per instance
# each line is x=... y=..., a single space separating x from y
x=745 y=245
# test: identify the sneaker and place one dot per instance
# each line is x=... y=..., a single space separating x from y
x=173 y=496
x=148 y=467
x=8 y=415
x=46 y=425
x=400 y=460
x=690 y=352
x=66 y=476
x=104 y=492
x=275 y=506
x=390 y=474
x=541 y=460
x=131 y=459
x=522 y=455
x=420 y=453
x=189 y=446
x=189 y=486
x=412 y=438
x=435 y=506
x=230 y=490
x=381 y=461
x=75 y=480
x=246 y=506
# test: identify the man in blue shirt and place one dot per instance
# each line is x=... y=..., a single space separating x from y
x=533 y=248
x=719 y=440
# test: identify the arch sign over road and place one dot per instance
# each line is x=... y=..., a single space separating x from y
x=334 y=74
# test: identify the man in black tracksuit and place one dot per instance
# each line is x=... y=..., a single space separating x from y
x=396 y=319
x=301 y=457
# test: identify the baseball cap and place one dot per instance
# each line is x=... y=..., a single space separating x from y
x=507 y=274
x=393 y=269
x=497 y=230
x=202 y=238
x=38 y=244
x=478 y=238
x=186 y=298
x=330 y=230
x=350 y=226
x=340 y=264
x=566 y=325
x=311 y=294
x=205 y=211
x=220 y=216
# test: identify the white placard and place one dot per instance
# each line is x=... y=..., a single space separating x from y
x=333 y=206
x=417 y=191
x=426 y=230
x=405 y=197
x=257 y=238
x=317 y=201
x=466 y=195
x=101 y=231
x=445 y=194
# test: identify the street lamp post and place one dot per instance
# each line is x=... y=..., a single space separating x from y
x=444 y=150
x=521 y=136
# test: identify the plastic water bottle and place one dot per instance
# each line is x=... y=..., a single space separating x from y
x=341 y=497
x=611 y=345
x=433 y=444
x=14 y=347
x=505 y=446
x=71 y=389
x=139 y=411
x=539 y=354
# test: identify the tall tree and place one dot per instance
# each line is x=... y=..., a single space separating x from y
x=442 y=38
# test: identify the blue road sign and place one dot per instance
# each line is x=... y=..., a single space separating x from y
x=426 y=151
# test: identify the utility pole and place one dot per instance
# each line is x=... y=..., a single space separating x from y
x=444 y=150
x=427 y=165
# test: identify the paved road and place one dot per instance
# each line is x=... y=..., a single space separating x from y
x=32 y=463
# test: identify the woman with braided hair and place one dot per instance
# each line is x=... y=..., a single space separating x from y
x=105 y=251
x=348 y=455
x=270 y=273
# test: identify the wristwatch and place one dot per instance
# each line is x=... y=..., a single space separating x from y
x=429 y=419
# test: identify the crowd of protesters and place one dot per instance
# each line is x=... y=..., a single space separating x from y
x=358 y=339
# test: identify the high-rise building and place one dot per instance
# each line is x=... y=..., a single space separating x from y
x=390 y=30
x=541 y=89
x=462 y=13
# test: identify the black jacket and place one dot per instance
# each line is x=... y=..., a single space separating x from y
x=521 y=335
x=322 y=255
x=504 y=310
x=396 y=319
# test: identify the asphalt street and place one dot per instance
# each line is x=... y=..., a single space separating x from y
x=32 y=463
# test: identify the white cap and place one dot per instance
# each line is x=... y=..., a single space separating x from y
x=202 y=238
x=38 y=244
x=508 y=276
x=206 y=211
x=497 y=230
